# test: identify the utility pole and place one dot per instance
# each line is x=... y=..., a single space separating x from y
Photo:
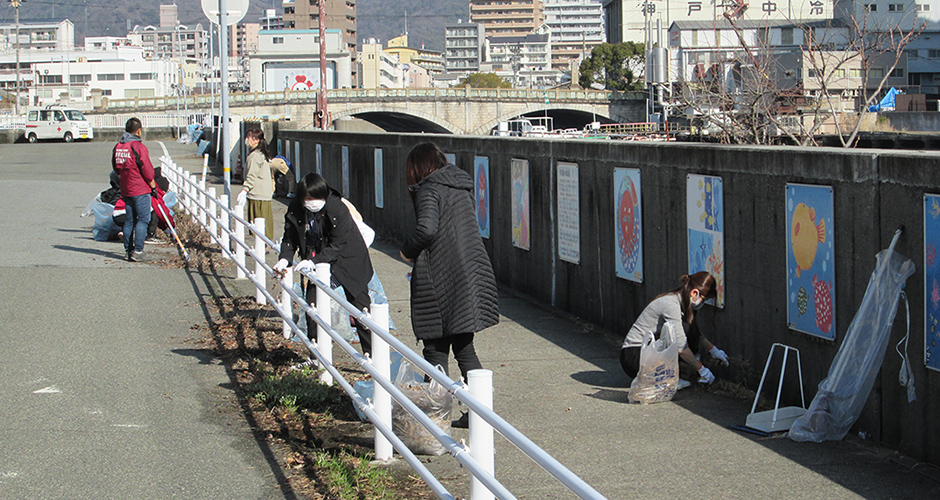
x=322 y=116
x=16 y=7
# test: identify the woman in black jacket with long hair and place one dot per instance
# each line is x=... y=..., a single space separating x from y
x=319 y=228
x=453 y=288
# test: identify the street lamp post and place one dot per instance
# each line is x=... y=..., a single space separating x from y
x=16 y=7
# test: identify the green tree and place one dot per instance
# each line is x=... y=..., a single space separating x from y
x=485 y=81
x=614 y=65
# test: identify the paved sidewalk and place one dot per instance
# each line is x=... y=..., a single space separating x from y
x=101 y=394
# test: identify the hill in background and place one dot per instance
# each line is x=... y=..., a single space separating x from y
x=380 y=19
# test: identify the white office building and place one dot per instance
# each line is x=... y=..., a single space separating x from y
x=117 y=74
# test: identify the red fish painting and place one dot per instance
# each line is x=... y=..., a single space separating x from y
x=822 y=299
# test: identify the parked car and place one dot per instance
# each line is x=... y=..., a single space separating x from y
x=57 y=122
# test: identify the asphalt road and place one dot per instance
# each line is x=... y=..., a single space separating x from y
x=102 y=396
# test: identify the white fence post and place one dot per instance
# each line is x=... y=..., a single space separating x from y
x=226 y=227
x=240 y=238
x=286 y=303
x=260 y=249
x=324 y=342
x=382 y=400
x=213 y=212
x=193 y=197
x=202 y=202
x=481 y=432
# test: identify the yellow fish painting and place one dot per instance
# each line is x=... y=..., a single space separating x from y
x=806 y=234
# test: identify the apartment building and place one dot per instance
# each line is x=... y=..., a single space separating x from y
x=464 y=47
x=508 y=17
x=577 y=26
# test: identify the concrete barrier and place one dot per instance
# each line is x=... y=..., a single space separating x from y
x=875 y=191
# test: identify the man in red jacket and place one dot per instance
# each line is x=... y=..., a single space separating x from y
x=131 y=160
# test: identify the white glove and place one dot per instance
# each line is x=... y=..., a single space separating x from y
x=305 y=265
x=242 y=198
x=719 y=355
x=281 y=265
x=705 y=375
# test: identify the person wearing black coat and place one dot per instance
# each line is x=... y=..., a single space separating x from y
x=319 y=228
x=453 y=288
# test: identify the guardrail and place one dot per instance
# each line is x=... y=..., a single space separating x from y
x=341 y=95
x=215 y=216
x=148 y=120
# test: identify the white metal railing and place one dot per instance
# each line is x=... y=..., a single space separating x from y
x=217 y=219
x=148 y=120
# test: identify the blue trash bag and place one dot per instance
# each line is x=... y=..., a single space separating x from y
x=104 y=228
x=203 y=147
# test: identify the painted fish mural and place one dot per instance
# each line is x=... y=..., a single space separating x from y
x=822 y=298
x=629 y=216
x=806 y=234
x=802 y=301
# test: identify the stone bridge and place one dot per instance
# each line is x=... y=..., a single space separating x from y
x=465 y=111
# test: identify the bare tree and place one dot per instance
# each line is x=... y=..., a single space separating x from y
x=759 y=93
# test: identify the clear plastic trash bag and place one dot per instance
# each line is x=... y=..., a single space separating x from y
x=658 y=377
x=842 y=394
x=433 y=399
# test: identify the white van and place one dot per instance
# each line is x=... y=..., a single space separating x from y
x=57 y=122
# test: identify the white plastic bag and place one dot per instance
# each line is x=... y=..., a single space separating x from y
x=658 y=377
x=433 y=399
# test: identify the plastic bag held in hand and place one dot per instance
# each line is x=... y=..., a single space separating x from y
x=705 y=375
x=305 y=266
x=719 y=355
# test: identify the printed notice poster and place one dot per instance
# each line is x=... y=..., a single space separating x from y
x=520 y=203
x=810 y=260
x=481 y=181
x=319 y=159
x=451 y=158
x=628 y=230
x=346 y=172
x=569 y=213
x=705 y=214
x=379 y=180
x=931 y=281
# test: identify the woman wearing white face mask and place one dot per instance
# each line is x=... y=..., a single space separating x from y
x=319 y=228
x=676 y=307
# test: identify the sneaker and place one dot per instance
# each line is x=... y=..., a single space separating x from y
x=462 y=423
x=138 y=256
x=130 y=257
x=683 y=384
x=153 y=240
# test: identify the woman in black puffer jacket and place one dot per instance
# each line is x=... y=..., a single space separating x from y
x=453 y=288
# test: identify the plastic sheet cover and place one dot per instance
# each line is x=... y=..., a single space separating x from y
x=842 y=394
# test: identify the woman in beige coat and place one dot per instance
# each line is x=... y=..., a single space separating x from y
x=258 y=188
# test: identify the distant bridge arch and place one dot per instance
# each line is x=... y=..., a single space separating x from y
x=445 y=110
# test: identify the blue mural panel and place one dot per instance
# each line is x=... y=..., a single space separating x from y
x=810 y=260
